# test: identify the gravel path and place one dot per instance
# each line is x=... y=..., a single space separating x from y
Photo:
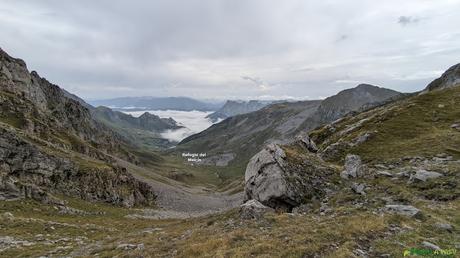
x=178 y=201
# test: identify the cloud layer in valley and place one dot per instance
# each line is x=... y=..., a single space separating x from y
x=193 y=122
x=232 y=48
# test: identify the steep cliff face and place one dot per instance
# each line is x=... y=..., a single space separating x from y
x=49 y=143
x=31 y=170
x=33 y=104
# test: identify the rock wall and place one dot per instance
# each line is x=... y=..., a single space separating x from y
x=26 y=171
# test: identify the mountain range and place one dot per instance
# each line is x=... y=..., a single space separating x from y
x=241 y=136
x=51 y=143
x=234 y=107
x=157 y=103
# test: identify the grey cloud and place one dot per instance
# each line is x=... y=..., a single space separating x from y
x=200 y=48
x=406 y=20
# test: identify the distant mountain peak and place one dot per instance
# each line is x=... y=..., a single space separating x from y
x=354 y=99
x=238 y=107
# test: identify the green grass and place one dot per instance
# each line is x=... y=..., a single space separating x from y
x=417 y=126
x=277 y=235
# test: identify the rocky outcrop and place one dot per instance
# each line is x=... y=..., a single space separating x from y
x=253 y=209
x=281 y=184
x=31 y=103
x=423 y=175
x=26 y=171
x=305 y=141
x=449 y=79
x=405 y=210
x=353 y=167
x=50 y=143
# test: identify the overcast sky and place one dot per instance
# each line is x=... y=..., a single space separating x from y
x=232 y=49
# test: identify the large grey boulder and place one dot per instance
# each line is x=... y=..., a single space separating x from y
x=423 y=175
x=264 y=180
x=281 y=184
x=253 y=209
x=353 y=167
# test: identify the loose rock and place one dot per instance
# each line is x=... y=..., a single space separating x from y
x=455 y=126
x=253 y=209
x=405 y=210
x=444 y=226
x=358 y=188
x=353 y=167
x=430 y=245
x=423 y=175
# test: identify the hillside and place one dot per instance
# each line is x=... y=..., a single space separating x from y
x=242 y=136
x=394 y=168
x=50 y=144
x=143 y=131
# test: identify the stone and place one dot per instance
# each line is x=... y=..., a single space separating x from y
x=278 y=184
x=403 y=174
x=358 y=188
x=405 y=210
x=361 y=138
x=353 y=167
x=423 y=175
x=444 y=226
x=253 y=209
x=306 y=142
x=380 y=166
x=302 y=209
x=126 y=246
x=324 y=209
x=456 y=126
x=384 y=174
x=7 y=216
x=430 y=245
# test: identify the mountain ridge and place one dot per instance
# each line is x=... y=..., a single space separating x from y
x=243 y=135
x=234 y=107
x=50 y=144
x=156 y=103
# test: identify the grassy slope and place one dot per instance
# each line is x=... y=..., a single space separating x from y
x=417 y=126
x=278 y=235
